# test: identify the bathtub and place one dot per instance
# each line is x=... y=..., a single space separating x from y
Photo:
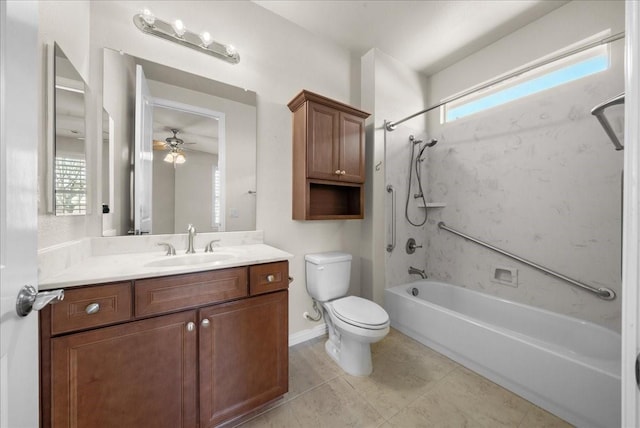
x=565 y=365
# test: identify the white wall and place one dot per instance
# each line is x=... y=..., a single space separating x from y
x=278 y=59
x=390 y=91
x=537 y=177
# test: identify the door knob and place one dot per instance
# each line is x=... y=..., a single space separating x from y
x=29 y=299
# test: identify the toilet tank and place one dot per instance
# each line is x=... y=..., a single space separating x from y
x=328 y=275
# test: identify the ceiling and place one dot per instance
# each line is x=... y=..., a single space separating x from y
x=427 y=35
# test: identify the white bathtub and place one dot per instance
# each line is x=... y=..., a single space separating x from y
x=567 y=366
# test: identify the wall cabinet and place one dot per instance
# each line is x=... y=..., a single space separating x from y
x=328 y=158
x=192 y=350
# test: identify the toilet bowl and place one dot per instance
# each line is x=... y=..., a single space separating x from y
x=353 y=322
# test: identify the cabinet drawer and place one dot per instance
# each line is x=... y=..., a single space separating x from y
x=88 y=307
x=172 y=293
x=268 y=277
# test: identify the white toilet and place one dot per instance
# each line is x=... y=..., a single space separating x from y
x=353 y=322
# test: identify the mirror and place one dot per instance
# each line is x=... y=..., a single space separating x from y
x=185 y=153
x=69 y=161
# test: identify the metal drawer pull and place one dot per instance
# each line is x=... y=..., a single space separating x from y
x=191 y=326
x=205 y=323
x=271 y=278
x=93 y=308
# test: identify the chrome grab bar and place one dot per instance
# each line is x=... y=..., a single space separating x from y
x=598 y=112
x=391 y=190
x=602 y=292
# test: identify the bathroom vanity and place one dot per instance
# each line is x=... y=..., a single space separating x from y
x=191 y=349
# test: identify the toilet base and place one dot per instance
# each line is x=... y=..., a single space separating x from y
x=352 y=356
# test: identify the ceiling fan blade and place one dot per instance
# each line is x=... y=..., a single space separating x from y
x=159 y=145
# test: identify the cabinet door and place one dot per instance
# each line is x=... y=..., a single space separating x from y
x=323 y=142
x=352 y=148
x=139 y=374
x=243 y=356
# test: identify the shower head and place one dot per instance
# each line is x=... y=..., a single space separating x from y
x=431 y=142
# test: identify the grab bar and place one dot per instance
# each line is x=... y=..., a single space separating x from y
x=598 y=112
x=391 y=190
x=602 y=292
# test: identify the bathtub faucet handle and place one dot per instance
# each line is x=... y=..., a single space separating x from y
x=411 y=246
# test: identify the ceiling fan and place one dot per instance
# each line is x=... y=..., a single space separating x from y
x=174 y=145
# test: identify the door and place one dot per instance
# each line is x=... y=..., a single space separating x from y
x=143 y=173
x=137 y=374
x=631 y=221
x=19 y=106
x=351 y=148
x=243 y=356
x=323 y=142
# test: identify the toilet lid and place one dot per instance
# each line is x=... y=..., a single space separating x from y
x=360 y=312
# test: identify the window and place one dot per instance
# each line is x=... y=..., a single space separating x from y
x=71 y=186
x=572 y=68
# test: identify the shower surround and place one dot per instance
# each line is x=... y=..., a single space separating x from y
x=536 y=177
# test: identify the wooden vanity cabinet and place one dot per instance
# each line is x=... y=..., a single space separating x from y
x=164 y=355
x=328 y=158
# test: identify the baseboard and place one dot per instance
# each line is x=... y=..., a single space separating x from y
x=304 y=335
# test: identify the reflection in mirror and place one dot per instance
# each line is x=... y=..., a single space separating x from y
x=204 y=173
x=183 y=156
x=107 y=164
x=70 y=178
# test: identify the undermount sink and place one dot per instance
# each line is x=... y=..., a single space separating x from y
x=191 y=259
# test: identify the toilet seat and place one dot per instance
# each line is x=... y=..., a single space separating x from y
x=360 y=312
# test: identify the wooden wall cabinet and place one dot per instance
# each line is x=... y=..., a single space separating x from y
x=188 y=362
x=328 y=158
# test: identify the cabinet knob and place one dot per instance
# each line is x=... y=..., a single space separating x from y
x=205 y=323
x=191 y=326
x=271 y=278
x=92 y=308
x=338 y=172
x=343 y=172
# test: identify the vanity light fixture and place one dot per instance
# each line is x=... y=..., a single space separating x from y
x=176 y=32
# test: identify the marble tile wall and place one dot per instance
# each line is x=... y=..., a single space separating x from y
x=538 y=178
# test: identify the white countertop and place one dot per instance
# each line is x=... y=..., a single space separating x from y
x=120 y=267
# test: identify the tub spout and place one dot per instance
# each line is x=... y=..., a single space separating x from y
x=416 y=271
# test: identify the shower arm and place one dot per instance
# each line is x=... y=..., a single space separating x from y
x=391 y=126
x=598 y=112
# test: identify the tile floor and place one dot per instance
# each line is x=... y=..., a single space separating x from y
x=411 y=386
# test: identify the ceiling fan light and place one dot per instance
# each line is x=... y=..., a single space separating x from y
x=169 y=157
x=180 y=158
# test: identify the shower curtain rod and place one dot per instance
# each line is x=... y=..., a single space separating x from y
x=390 y=126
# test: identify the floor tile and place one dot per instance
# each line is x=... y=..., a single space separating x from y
x=401 y=374
x=490 y=404
x=539 y=418
x=432 y=410
x=309 y=366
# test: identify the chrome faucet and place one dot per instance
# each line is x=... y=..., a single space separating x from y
x=209 y=247
x=191 y=230
x=416 y=271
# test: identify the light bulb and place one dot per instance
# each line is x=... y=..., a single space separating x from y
x=206 y=38
x=231 y=50
x=148 y=17
x=178 y=27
